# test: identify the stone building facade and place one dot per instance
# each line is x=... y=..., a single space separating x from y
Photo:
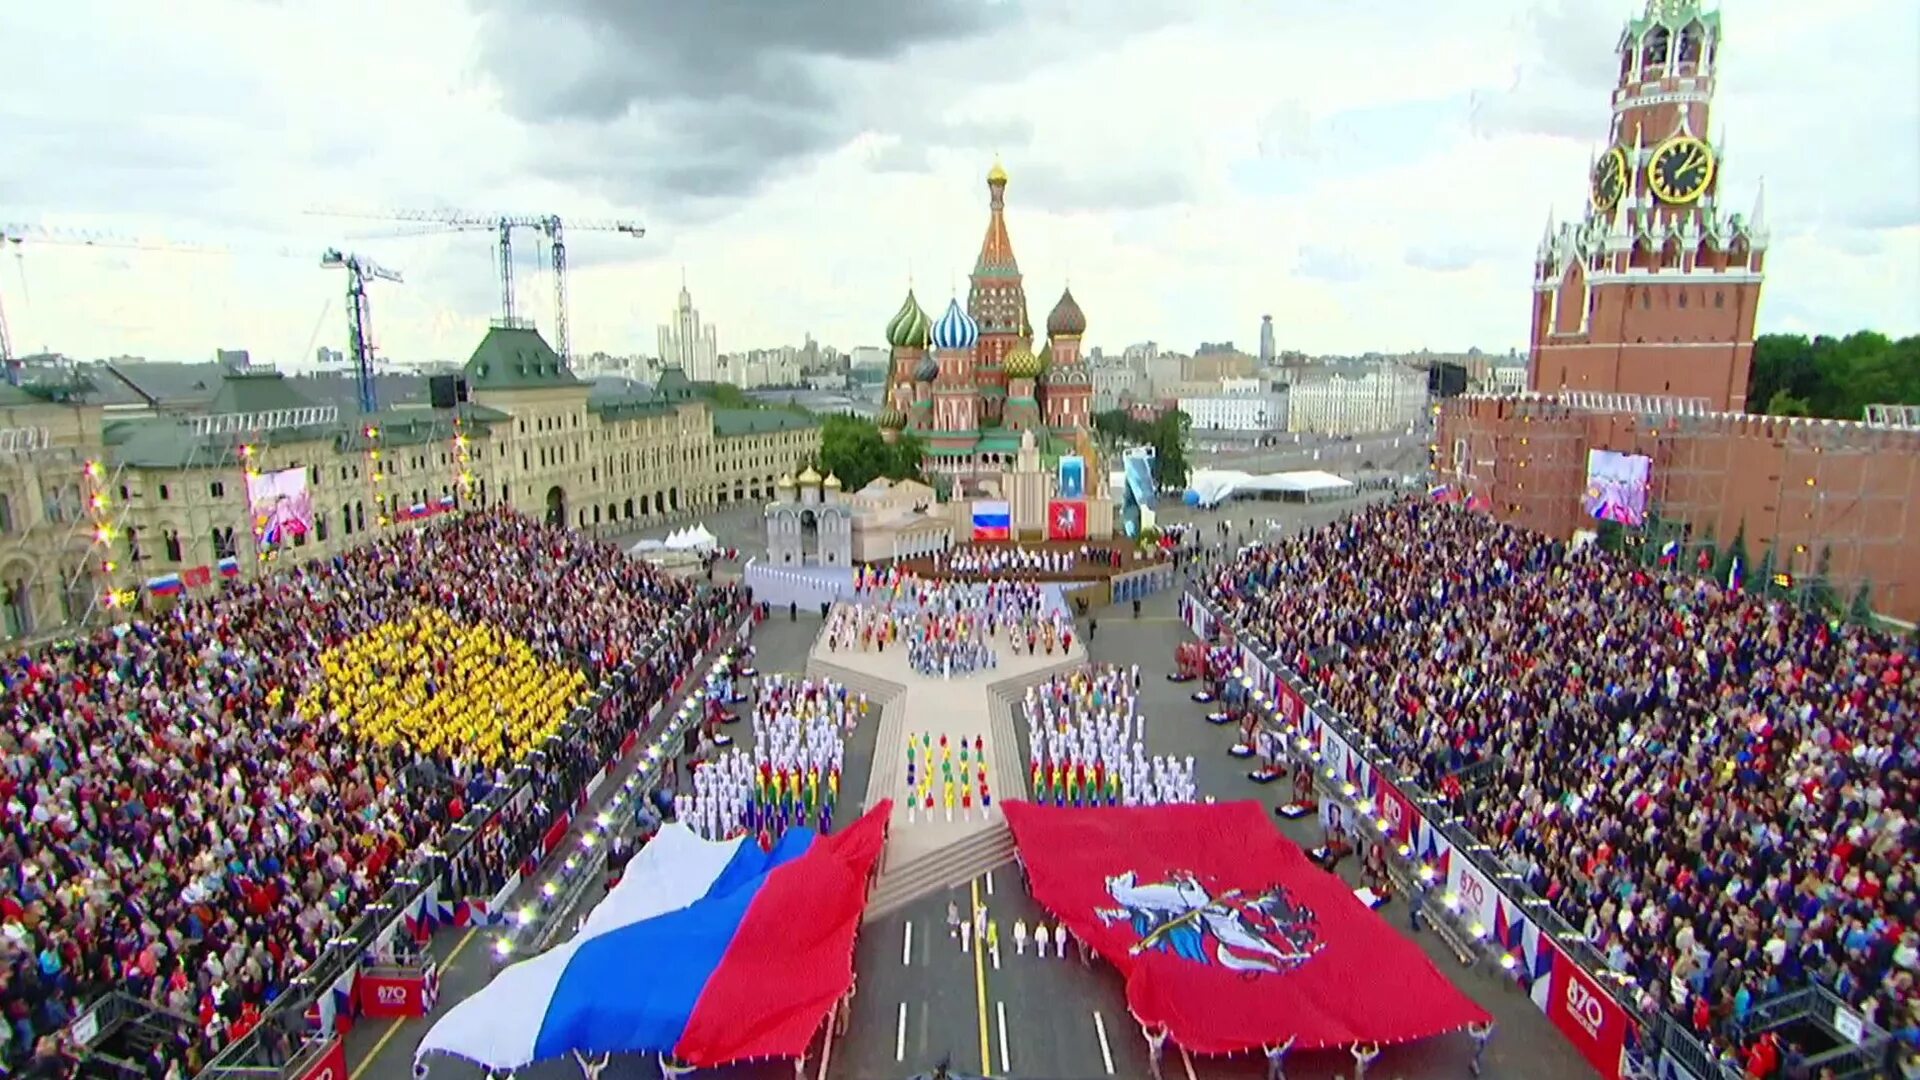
x=101 y=509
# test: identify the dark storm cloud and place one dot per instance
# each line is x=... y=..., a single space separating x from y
x=704 y=99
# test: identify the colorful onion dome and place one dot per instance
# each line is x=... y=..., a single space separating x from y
x=809 y=478
x=891 y=419
x=997 y=174
x=1067 y=320
x=1021 y=363
x=910 y=327
x=956 y=329
x=927 y=370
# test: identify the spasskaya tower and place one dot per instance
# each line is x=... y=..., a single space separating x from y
x=1653 y=291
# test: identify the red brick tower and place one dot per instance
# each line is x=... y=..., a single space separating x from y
x=997 y=301
x=1654 y=290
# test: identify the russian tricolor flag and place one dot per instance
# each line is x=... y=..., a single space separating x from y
x=165 y=585
x=711 y=951
x=992 y=520
x=229 y=567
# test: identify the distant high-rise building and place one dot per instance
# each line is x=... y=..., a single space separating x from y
x=1266 y=340
x=688 y=343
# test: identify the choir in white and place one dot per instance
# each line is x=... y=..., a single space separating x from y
x=1004 y=560
x=1088 y=740
x=791 y=777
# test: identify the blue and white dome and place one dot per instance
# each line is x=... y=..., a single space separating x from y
x=956 y=329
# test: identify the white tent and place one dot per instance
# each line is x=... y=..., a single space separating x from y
x=1211 y=487
x=696 y=538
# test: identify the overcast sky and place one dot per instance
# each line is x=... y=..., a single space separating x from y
x=1373 y=175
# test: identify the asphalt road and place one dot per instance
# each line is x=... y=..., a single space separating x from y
x=921 y=1000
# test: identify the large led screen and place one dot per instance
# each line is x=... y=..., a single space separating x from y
x=281 y=507
x=1617 y=487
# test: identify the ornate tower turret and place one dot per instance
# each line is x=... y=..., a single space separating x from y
x=996 y=298
x=956 y=420
x=1069 y=385
x=908 y=333
x=1654 y=290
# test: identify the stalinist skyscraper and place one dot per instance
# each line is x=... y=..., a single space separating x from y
x=688 y=343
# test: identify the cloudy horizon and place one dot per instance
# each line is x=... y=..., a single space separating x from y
x=1374 y=179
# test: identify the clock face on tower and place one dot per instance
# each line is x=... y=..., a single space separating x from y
x=1609 y=179
x=1680 y=169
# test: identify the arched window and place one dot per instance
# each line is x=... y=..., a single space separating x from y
x=6 y=514
x=1691 y=40
x=1653 y=51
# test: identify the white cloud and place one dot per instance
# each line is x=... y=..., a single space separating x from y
x=1373 y=176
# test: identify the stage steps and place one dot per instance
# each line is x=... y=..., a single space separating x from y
x=955 y=864
x=885 y=776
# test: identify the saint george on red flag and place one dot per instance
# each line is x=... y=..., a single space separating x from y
x=1227 y=935
x=1066 y=519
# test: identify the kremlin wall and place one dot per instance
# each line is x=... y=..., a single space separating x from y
x=1642 y=340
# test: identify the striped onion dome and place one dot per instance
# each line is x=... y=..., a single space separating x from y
x=1021 y=363
x=956 y=329
x=927 y=370
x=891 y=419
x=910 y=327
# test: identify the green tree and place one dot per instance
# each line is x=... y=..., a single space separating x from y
x=1760 y=580
x=1735 y=552
x=1168 y=437
x=1612 y=537
x=853 y=449
x=1116 y=429
x=1818 y=594
x=1833 y=377
x=1861 y=610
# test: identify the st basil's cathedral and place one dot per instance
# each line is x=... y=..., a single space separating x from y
x=970 y=382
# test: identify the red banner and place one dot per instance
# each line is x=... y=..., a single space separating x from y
x=331 y=1065
x=556 y=832
x=1399 y=812
x=390 y=997
x=1227 y=934
x=1593 y=1022
x=1287 y=702
x=1066 y=519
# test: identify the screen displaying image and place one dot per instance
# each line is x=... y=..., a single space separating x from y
x=1073 y=477
x=1617 y=487
x=281 y=505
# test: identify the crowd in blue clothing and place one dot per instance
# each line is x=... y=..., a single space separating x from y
x=1718 y=789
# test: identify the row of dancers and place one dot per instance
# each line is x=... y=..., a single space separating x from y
x=791 y=777
x=946 y=775
x=1088 y=743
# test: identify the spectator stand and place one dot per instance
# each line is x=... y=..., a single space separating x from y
x=325 y=993
x=1503 y=925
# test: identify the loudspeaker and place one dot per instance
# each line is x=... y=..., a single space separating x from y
x=446 y=391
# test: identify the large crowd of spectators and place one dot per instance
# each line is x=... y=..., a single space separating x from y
x=1716 y=788
x=174 y=826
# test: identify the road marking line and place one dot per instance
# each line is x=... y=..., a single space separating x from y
x=1000 y=1009
x=1106 y=1052
x=989 y=883
x=386 y=1036
x=980 y=989
x=374 y=1054
x=906 y=949
x=899 y=1035
x=1188 y=1059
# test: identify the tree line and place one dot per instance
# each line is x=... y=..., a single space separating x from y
x=1832 y=378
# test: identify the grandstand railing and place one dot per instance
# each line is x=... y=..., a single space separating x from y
x=247 y=1056
x=1442 y=818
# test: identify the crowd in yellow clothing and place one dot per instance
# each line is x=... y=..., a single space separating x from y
x=437 y=685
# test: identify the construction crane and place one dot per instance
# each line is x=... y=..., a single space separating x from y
x=359 y=319
x=15 y=237
x=548 y=225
